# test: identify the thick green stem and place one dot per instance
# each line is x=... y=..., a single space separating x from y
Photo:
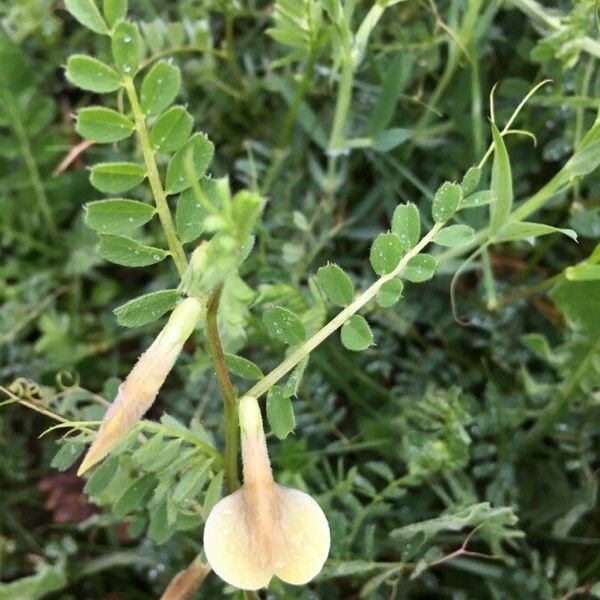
x=160 y=197
x=230 y=401
x=34 y=174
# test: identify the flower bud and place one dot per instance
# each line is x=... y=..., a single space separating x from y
x=137 y=393
x=264 y=529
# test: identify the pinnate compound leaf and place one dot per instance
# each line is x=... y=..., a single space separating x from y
x=201 y=150
x=521 y=230
x=86 y=12
x=406 y=224
x=171 y=130
x=389 y=293
x=455 y=236
x=356 y=335
x=420 y=268
x=242 y=367
x=114 y=178
x=336 y=285
x=283 y=325
x=446 y=202
x=386 y=252
x=501 y=184
x=127 y=47
x=127 y=252
x=280 y=413
x=92 y=75
x=103 y=125
x=117 y=215
x=147 y=308
x=114 y=10
x=159 y=88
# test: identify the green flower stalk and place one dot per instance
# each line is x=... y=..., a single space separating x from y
x=137 y=393
x=264 y=529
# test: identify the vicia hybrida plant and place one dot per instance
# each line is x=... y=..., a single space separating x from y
x=261 y=530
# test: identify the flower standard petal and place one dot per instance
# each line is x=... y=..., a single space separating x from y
x=232 y=547
x=302 y=537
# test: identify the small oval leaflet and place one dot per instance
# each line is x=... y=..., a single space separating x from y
x=356 y=335
x=477 y=199
x=283 y=325
x=114 y=178
x=420 y=268
x=114 y=10
x=134 y=495
x=103 y=125
x=147 y=308
x=389 y=293
x=67 y=455
x=178 y=178
x=213 y=494
x=92 y=75
x=336 y=285
x=386 y=252
x=117 y=215
x=280 y=413
x=406 y=224
x=471 y=180
x=242 y=367
x=159 y=88
x=446 y=202
x=189 y=217
x=127 y=252
x=171 y=130
x=127 y=47
x=455 y=236
x=87 y=13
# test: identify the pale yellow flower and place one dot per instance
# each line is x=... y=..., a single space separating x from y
x=137 y=393
x=264 y=529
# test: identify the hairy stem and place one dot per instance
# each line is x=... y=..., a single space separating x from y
x=230 y=401
x=307 y=347
x=160 y=197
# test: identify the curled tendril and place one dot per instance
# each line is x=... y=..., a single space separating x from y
x=25 y=389
x=66 y=380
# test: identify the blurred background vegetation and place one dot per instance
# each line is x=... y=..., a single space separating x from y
x=452 y=461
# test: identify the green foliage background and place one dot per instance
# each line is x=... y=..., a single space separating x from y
x=452 y=460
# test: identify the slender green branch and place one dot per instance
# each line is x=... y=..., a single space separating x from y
x=160 y=197
x=307 y=347
x=230 y=402
x=342 y=106
x=34 y=174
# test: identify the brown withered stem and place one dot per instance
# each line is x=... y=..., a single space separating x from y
x=228 y=393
